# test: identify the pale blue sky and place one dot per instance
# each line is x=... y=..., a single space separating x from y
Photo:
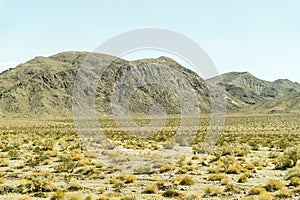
x=259 y=36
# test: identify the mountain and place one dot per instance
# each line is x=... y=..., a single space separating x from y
x=284 y=105
x=251 y=90
x=43 y=86
x=40 y=87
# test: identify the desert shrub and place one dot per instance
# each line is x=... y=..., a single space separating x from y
x=170 y=194
x=117 y=183
x=67 y=165
x=232 y=189
x=273 y=154
x=231 y=149
x=243 y=179
x=102 y=197
x=274 y=185
x=225 y=162
x=216 y=177
x=160 y=184
x=186 y=180
x=74 y=196
x=213 y=170
x=225 y=181
x=42 y=181
x=283 y=193
x=128 y=198
x=282 y=143
x=85 y=170
x=130 y=178
x=288 y=158
x=249 y=166
x=294 y=181
x=3 y=162
x=213 y=191
x=166 y=168
x=264 y=196
x=293 y=175
x=256 y=190
x=142 y=169
x=58 y=195
x=181 y=170
x=294 y=172
x=74 y=185
x=13 y=154
x=195 y=157
x=150 y=189
x=241 y=150
x=191 y=197
x=101 y=190
x=233 y=169
x=97 y=164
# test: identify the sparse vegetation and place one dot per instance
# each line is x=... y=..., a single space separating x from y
x=274 y=185
x=150 y=189
x=64 y=168
x=213 y=191
x=257 y=190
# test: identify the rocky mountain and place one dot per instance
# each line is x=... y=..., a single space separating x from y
x=289 y=104
x=43 y=86
x=251 y=90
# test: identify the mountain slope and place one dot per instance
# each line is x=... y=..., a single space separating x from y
x=283 y=105
x=252 y=90
x=42 y=87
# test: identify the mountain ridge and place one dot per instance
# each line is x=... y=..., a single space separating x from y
x=252 y=90
x=43 y=86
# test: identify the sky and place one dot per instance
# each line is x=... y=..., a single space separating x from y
x=259 y=36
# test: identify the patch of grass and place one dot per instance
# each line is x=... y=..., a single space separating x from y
x=232 y=189
x=249 y=166
x=150 y=189
x=166 y=168
x=256 y=190
x=170 y=194
x=186 y=180
x=283 y=193
x=216 y=177
x=3 y=162
x=128 y=197
x=243 y=179
x=74 y=196
x=295 y=181
x=288 y=158
x=274 y=185
x=213 y=191
x=130 y=178
x=233 y=169
x=58 y=195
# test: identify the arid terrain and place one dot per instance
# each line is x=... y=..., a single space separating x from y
x=255 y=158
x=44 y=155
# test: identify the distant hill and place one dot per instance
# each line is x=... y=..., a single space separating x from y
x=284 y=105
x=42 y=87
x=251 y=90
